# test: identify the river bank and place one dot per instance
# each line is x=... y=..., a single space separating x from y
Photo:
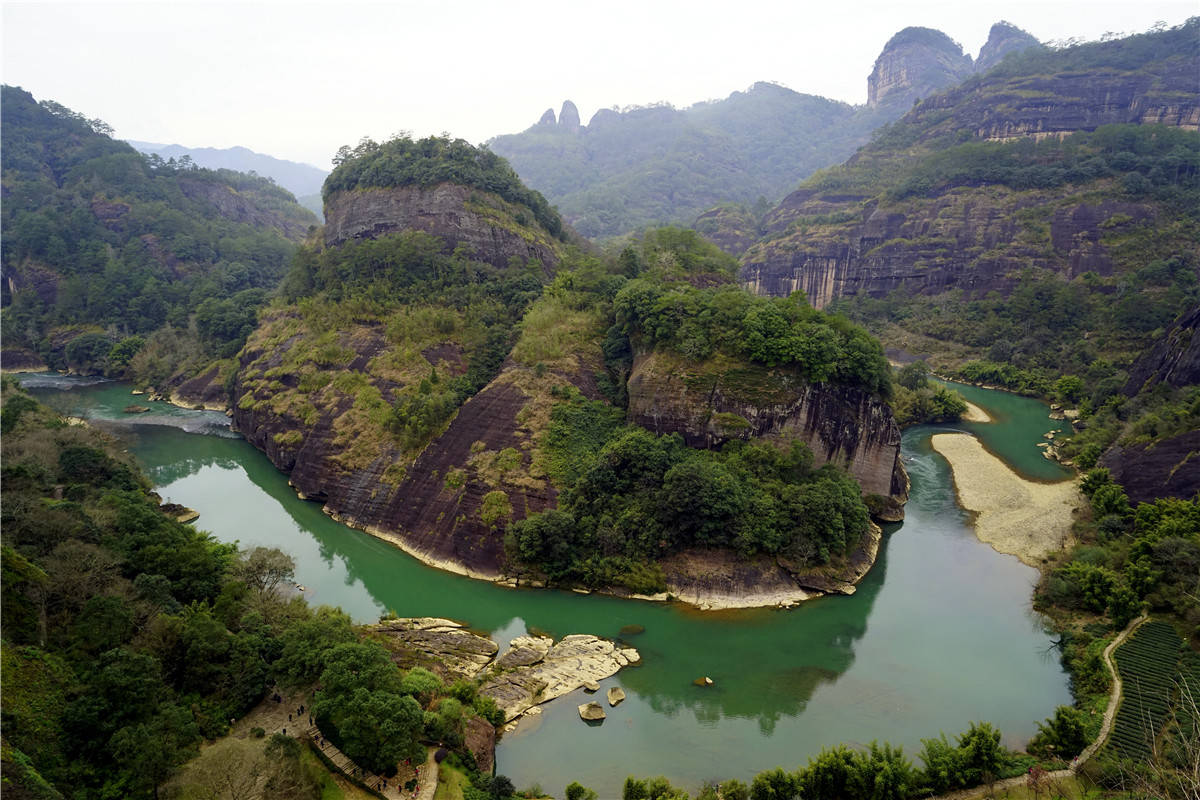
x=1017 y=516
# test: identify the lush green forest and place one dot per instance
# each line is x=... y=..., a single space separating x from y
x=105 y=244
x=130 y=638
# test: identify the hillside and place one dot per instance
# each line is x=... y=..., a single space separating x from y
x=1042 y=215
x=104 y=248
x=439 y=352
x=302 y=180
x=626 y=169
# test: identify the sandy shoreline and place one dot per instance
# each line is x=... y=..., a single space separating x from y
x=975 y=414
x=1020 y=517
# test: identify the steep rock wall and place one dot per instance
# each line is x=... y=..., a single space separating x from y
x=487 y=226
x=974 y=240
x=709 y=404
x=430 y=504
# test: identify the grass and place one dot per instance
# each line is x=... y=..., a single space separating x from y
x=451 y=782
x=555 y=334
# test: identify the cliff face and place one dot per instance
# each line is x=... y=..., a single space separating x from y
x=430 y=504
x=711 y=403
x=477 y=220
x=1168 y=468
x=1003 y=38
x=914 y=63
x=974 y=240
x=1175 y=360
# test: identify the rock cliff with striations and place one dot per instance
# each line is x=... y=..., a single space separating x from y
x=479 y=221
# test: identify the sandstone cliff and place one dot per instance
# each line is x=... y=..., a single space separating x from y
x=976 y=240
x=914 y=63
x=711 y=403
x=892 y=218
x=1003 y=38
x=490 y=228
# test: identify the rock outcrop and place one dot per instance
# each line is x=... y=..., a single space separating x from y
x=1167 y=468
x=914 y=63
x=533 y=670
x=485 y=224
x=568 y=117
x=1175 y=360
x=536 y=669
x=1003 y=38
x=709 y=405
x=440 y=645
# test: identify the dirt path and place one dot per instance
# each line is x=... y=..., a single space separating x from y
x=1114 y=700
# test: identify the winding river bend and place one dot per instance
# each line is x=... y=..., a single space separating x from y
x=940 y=633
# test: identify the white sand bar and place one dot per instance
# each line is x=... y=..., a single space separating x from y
x=976 y=414
x=1024 y=518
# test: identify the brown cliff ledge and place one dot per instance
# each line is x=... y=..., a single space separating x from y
x=715 y=401
x=489 y=227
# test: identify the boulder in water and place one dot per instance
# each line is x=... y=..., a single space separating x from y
x=615 y=695
x=591 y=712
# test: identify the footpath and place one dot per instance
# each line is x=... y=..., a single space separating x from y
x=1114 y=700
x=426 y=775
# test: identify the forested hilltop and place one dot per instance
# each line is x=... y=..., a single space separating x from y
x=443 y=344
x=629 y=168
x=120 y=262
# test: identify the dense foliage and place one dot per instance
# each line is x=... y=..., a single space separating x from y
x=875 y=772
x=100 y=239
x=129 y=638
x=784 y=332
x=916 y=399
x=629 y=497
x=403 y=161
x=1129 y=557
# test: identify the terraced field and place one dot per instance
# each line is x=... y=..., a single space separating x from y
x=1149 y=667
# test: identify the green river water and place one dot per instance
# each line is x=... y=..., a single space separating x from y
x=940 y=633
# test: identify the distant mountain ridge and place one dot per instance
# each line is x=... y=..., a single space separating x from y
x=659 y=164
x=302 y=180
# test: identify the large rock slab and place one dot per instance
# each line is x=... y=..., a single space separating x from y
x=440 y=645
x=564 y=667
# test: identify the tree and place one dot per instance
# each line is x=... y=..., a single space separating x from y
x=981 y=753
x=306 y=643
x=576 y=791
x=914 y=376
x=829 y=776
x=264 y=568
x=1064 y=735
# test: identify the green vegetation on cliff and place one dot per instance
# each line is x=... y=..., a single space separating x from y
x=628 y=498
x=427 y=162
x=101 y=240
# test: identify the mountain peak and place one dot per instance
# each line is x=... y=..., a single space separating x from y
x=1004 y=38
x=568 y=117
x=914 y=63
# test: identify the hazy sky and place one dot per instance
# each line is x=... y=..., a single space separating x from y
x=298 y=80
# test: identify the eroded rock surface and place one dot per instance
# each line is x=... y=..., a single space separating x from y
x=565 y=666
x=441 y=645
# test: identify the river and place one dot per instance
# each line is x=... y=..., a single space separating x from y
x=940 y=633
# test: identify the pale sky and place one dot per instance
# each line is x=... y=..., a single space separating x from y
x=297 y=81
